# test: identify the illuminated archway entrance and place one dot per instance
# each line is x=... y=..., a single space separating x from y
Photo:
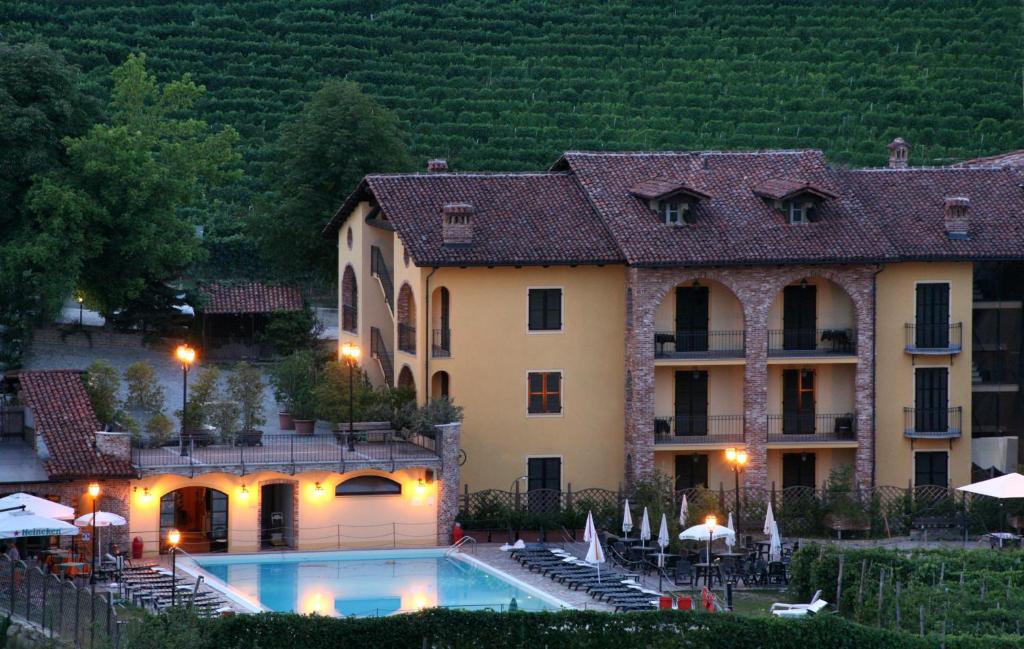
x=200 y=514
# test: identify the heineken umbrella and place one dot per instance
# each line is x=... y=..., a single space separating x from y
x=15 y=525
x=645 y=529
x=706 y=533
x=627 y=519
x=103 y=519
x=39 y=506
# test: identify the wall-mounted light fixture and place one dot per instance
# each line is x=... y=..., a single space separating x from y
x=318 y=489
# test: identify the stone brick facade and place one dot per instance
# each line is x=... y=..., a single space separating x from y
x=756 y=288
x=116 y=444
x=448 y=481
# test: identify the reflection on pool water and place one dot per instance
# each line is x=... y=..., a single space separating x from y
x=370 y=583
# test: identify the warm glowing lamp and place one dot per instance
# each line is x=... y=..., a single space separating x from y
x=244 y=492
x=185 y=354
x=730 y=455
x=318 y=489
x=94 y=490
x=711 y=520
x=350 y=352
x=421 y=488
x=173 y=539
x=741 y=458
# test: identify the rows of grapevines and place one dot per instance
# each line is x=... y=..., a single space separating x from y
x=508 y=84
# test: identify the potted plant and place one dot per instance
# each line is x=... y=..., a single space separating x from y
x=304 y=411
x=295 y=375
x=245 y=386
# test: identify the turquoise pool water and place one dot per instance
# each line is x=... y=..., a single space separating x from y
x=370 y=583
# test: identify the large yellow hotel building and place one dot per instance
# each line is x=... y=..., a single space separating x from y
x=625 y=313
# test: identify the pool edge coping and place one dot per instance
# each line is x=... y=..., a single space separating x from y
x=518 y=583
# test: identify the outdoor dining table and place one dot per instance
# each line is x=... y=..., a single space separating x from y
x=709 y=571
x=729 y=555
x=670 y=559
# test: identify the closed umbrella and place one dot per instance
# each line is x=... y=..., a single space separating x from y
x=730 y=540
x=663 y=539
x=15 y=525
x=645 y=528
x=595 y=553
x=769 y=518
x=589 y=530
x=775 y=543
x=38 y=506
x=627 y=519
x=684 y=510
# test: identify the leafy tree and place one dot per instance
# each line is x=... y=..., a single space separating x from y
x=291 y=331
x=245 y=386
x=201 y=394
x=144 y=390
x=341 y=135
x=117 y=203
x=102 y=384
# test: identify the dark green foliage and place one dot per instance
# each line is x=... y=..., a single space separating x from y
x=986 y=599
x=102 y=384
x=440 y=628
x=290 y=331
x=508 y=85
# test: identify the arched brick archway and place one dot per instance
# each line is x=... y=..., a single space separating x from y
x=349 y=300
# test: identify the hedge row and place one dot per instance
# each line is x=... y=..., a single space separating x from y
x=441 y=628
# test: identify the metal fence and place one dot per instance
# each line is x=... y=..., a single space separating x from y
x=60 y=608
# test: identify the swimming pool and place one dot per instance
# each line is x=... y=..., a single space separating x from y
x=371 y=583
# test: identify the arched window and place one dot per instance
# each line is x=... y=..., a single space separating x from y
x=349 y=300
x=368 y=485
x=405 y=378
x=440 y=385
x=406 y=320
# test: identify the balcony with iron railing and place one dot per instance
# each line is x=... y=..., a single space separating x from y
x=934 y=339
x=406 y=338
x=245 y=452
x=442 y=343
x=932 y=423
x=699 y=429
x=835 y=341
x=812 y=427
x=699 y=344
x=379 y=350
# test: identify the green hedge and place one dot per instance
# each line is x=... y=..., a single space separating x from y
x=441 y=628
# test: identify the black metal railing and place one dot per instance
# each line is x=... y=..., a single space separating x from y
x=379 y=350
x=442 y=347
x=349 y=317
x=934 y=338
x=407 y=338
x=379 y=269
x=252 y=449
x=941 y=423
x=812 y=342
x=698 y=429
x=699 y=344
x=817 y=427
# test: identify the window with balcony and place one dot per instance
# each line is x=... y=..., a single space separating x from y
x=931 y=468
x=691 y=403
x=932 y=320
x=545 y=309
x=545 y=393
x=931 y=399
x=691 y=471
x=798 y=402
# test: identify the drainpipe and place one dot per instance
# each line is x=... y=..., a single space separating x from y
x=427 y=349
x=874 y=373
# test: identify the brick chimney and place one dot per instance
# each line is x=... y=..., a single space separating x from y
x=899 y=151
x=437 y=165
x=457 y=224
x=957 y=219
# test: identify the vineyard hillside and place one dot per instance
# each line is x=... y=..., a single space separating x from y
x=508 y=84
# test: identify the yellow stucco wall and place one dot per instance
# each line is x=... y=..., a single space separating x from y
x=725 y=313
x=896 y=306
x=324 y=520
x=725 y=389
x=834 y=307
x=825 y=459
x=492 y=352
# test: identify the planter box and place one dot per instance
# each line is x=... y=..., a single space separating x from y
x=285 y=421
x=305 y=426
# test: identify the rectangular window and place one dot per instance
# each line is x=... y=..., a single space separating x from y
x=798 y=402
x=543 y=484
x=691 y=471
x=798 y=470
x=931 y=469
x=674 y=212
x=545 y=393
x=545 y=309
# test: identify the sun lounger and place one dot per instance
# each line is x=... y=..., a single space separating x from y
x=811 y=609
x=779 y=606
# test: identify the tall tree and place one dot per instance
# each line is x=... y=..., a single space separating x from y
x=118 y=203
x=341 y=135
x=40 y=104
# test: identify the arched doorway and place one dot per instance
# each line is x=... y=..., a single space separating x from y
x=440 y=385
x=405 y=379
x=200 y=514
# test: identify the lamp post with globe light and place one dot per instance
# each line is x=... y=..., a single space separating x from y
x=186 y=356
x=737 y=460
x=351 y=352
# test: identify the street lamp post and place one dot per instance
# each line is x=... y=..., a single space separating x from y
x=80 y=300
x=737 y=459
x=350 y=352
x=94 y=492
x=186 y=356
x=173 y=538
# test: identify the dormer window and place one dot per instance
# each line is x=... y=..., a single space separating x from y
x=798 y=200
x=674 y=211
x=674 y=202
x=800 y=211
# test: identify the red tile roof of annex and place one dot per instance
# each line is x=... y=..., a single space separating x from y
x=583 y=211
x=252 y=297
x=64 y=417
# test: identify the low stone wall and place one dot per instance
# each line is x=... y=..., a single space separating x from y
x=21 y=635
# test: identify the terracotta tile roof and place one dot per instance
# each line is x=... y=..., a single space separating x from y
x=734 y=226
x=1010 y=159
x=658 y=187
x=64 y=417
x=780 y=189
x=518 y=219
x=910 y=205
x=250 y=298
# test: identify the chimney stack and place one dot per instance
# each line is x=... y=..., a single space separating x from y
x=899 y=151
x=457 y=224
x=437 y=165
x=956 y=219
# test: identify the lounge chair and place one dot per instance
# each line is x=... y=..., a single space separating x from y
x=780 y=606
x=813 y=609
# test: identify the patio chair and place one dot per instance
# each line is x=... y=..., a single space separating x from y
x=776 y=573
x=684 y=573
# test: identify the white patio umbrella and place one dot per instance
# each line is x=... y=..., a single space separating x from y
x=775 y=543
x=1010 y=485
x=38 y=506
x=595 y=553
x=707 y=533
x=663 y=540
x=103 y=519
x=684 y=510
x=645 y=528
x=588 y=529
x=769 y=518
x=730 y=540
x=627 y=519
x=15 y=525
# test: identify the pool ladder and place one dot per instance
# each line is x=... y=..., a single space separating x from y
x=458 y=545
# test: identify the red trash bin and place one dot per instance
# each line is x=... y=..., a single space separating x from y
x=137 y=547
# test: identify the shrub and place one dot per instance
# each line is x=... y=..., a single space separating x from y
x=102 y=384
x=245 y=386
x=200 y=394
x=437 y=411
x=144 y=391
x=293 y=379
x=291 y=331
x=331 y=393
x=160 y=428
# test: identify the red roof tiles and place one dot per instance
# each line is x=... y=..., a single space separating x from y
x=780 y=189
x=64 y=417
x=661 y=187
x=250 y=298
